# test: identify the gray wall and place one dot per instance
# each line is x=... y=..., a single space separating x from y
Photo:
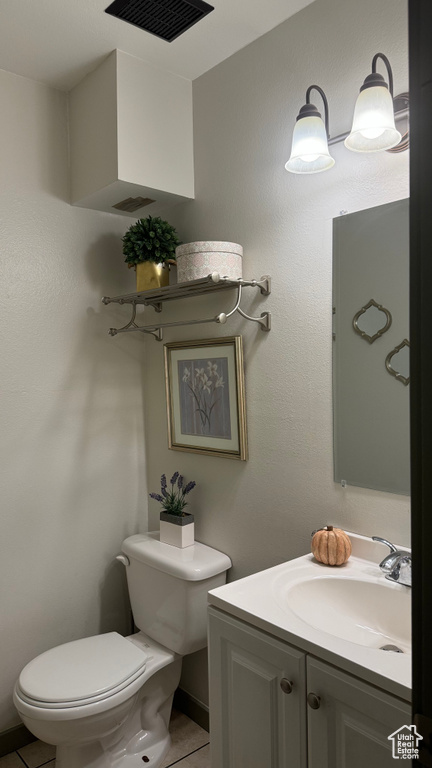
x=72 y=482
x=262 y=512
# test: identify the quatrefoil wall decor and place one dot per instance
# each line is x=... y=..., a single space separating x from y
x=371 y=321
x=403 y=363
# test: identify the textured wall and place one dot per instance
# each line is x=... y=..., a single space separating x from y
x=72 y=482
x=262 y=512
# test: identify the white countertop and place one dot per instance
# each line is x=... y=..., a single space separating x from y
x=263 y=601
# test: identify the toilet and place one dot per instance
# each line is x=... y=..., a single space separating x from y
x=105 y=701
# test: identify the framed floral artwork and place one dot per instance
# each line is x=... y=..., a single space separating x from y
x=206 y=397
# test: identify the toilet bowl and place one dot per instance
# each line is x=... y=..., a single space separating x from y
x=70 y=698
x=105 y=701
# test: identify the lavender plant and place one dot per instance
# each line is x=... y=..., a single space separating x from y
x=174 y=501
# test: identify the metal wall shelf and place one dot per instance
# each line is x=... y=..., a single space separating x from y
x=211 y=284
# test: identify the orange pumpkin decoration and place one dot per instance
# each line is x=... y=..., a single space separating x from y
x=331 y=546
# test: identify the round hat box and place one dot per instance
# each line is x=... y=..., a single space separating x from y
x=202 y=258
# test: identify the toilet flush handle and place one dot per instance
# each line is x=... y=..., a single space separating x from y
x=123 y=559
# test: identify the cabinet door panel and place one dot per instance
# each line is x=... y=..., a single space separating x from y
x=253 y=723
x=351 y=727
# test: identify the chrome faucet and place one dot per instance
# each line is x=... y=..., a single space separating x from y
x=397 y=564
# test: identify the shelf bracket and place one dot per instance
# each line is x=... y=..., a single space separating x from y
x=132 y=326
x=264 y=319
x=264 y=283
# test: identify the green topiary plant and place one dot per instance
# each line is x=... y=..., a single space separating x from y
x=150 y=239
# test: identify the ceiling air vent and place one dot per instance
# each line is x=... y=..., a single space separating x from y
x=164 y=18
x=132 y=204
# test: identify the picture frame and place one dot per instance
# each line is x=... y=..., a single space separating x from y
x=205 y=395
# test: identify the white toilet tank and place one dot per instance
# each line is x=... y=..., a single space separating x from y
x=168 y=589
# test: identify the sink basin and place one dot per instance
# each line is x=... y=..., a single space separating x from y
x=369 y=613
x=344 y=616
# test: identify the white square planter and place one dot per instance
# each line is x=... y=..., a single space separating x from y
x=176 y=530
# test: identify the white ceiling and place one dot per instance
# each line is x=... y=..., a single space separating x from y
x=59 y=41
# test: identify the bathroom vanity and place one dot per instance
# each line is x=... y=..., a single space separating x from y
x=298 y=677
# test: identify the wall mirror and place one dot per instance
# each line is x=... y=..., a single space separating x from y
x=371 y=348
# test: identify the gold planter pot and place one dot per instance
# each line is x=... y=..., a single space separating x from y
x=150 y=276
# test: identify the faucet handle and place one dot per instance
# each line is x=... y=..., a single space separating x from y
x=402 y=571
x=390 y=561
x=387 y=543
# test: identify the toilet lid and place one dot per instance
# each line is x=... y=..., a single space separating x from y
x=87 y=669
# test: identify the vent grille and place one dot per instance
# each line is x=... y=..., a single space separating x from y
x=132 y=204
x=164 y=18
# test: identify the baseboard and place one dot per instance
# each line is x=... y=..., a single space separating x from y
x=15 y=738
x=191 y=707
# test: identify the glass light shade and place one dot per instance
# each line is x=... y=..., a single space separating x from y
x=373 y=127
x=309 y=151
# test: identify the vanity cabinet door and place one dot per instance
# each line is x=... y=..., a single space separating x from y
x=257 y=698
x=351 y=725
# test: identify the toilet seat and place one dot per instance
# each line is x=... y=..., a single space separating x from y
x=154 y=656
x=81 y=672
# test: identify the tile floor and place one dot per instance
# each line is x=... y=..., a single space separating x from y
x=189 y=749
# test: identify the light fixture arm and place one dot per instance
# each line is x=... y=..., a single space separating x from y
x=388 y=67
x=326 y=107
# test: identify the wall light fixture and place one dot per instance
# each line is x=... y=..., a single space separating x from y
x=309 y=151
x=373 y=128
